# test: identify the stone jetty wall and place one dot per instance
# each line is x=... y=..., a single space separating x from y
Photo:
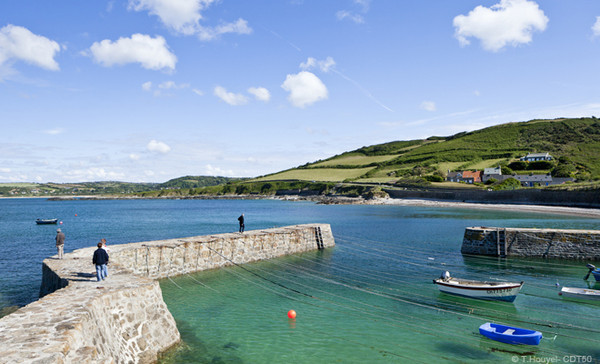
x=539 y=243
x=124 y=318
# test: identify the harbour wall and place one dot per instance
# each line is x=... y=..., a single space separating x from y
x=539 y=243
x=124 y=318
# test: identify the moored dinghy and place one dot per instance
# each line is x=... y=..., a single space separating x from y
x=46 y=221
x=509 y=334
x=581 y=293
x=503 y=291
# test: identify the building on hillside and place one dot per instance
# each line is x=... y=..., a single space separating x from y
x=454 y=176
x=472 y=176
x=532 y=157
x=495 y=173
x=533 y=180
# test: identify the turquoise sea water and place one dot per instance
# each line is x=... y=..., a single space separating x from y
x=368 y=300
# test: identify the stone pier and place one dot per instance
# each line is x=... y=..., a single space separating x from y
x=124 y=318
x=538 y=243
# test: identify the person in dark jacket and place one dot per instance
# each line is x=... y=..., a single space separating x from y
x=241 y=220
x=60 y=243
x=100 y=260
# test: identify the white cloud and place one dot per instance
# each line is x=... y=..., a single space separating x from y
x=159 y=147
x=147 y=86
x=305 y=89
x=18 y=43
x=183 y=16
x=134 y=157
x=93 y=174
x=596 y=27
x=198 y=92
x=428 y=105
x=4 y=170
x=325 y=65
x=216 y=171
x=167 y=85
x=260 y=93
x=230 y=97
x=209 y=33
x=345 y=14
x=510 y=22
x=151 y=53
x=180 y=15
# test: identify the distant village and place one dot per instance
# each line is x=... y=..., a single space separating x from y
x=527 y=180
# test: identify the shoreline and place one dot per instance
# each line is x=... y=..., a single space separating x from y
x=343 y=200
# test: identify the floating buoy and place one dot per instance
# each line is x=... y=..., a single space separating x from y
x=61 y=222
x=292 y=314
x=75 y=214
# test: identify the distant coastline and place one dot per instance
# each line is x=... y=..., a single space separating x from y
x=517 y=207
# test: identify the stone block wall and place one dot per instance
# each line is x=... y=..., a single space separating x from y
x=539 y=243
x=124 y=319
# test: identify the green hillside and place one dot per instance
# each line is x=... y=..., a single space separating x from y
x=575 y=142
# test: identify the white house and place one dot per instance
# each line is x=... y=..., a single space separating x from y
x=532 y=157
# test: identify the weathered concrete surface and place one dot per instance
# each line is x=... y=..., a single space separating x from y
x=124 y=318
x=539 y=243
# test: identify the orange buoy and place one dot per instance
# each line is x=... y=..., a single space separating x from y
x=75 y=214
x=292 y=314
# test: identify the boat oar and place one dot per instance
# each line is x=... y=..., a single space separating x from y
x=591 y=267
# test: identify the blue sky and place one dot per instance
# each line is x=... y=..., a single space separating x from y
x=149 y=90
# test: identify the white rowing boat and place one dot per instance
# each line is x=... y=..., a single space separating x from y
x=503 y=291
x=582 y=293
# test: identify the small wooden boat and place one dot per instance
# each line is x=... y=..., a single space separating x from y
x=503 y=291
x=510 y=335
x=46 y=221
x=581 y=293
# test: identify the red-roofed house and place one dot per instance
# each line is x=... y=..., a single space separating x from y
x=472 y=177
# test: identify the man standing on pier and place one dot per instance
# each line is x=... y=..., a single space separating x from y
x=241 y=220
x=60 y=243
x=100 y=259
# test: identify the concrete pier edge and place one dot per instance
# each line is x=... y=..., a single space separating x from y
x=124 y=319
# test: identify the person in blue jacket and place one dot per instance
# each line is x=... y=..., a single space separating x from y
x=100 y=260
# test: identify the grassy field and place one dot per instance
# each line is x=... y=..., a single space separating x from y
x=316 y=174
x=354 y=160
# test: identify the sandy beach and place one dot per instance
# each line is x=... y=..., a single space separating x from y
x=578 y=211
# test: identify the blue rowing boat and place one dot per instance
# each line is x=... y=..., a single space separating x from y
x=509 y=334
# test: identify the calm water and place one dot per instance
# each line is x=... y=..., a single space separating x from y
x=368 y=300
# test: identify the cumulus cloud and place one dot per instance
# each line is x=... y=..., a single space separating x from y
x=159 y=147
x=134 y=156
x=183 y=16
x=305 y=89
x=230 y=97
x=151 y=53
x=198 y=92
x=260 y=93
x=510 y=22
x=596 y=27
x=147 y=86
x=324 y=65
x=18 y=43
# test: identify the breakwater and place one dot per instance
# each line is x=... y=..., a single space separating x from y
x=124 y=318
x=539 y=243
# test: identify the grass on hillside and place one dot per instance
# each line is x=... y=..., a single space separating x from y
x=353 y=160
x=316 y=174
